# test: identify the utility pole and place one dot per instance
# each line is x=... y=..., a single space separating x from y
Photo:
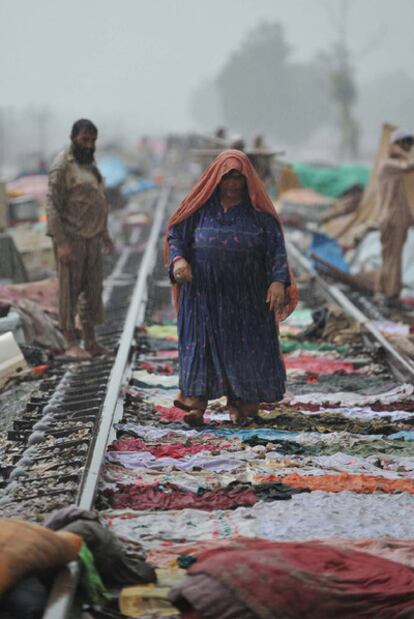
x=342 y=84
x=345 y=90
x=2 y=138
x=42 y=121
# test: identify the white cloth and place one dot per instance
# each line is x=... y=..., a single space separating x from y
x=305 y=516
x=349 y=399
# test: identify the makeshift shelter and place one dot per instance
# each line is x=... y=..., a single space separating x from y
x=35 y=185
x=350 y=229
x=12 y=268
x=331 y=181
x=287 y=180
x=114 y=171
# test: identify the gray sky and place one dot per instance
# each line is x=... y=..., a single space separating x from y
x=137 y=61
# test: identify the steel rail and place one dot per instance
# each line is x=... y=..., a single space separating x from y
x=116 y=276
x=63 y=591
x=334 y=293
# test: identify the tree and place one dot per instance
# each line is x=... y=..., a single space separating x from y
x=263 y=90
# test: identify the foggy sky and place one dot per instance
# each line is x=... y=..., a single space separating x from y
x=136 y=62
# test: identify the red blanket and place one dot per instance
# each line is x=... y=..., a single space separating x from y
x=298 y=580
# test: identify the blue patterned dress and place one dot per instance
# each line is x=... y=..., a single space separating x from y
x=228 y=343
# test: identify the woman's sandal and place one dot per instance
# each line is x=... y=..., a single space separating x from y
x=194 y=417
x=182 y=406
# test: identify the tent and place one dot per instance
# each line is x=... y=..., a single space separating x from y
x=331 y=181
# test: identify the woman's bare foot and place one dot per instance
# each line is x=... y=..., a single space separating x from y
x=240 y=412
x=194 y=418
x=96 y=350
x=235 y=411
x=236 y=415
x=193 y=407
x=250 y=409
x=77 y=352
x=189 y=403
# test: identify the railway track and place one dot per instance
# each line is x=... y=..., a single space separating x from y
x=64 y=588
x=401 y=366
x=56 y=446
x=62 y=438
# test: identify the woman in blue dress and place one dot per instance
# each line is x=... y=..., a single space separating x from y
x=227 y=262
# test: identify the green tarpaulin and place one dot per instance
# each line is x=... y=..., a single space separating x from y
x=332 y=181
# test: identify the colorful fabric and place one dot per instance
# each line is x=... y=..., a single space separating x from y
x=153 y=433
x=366 y=412
x=171 y=450
x=165 y=497
x=168 y=332
x=324 y=365
x=170 y=413
x=329 y=514
x=148 y=379
x=398 y=550
x=264 y=433
x=291 y=345
x=364 y=484
x=278 y=580
x=211 y=598
x=157 y=367
x=404 y=435
x=136 y=459
x=331 y=181
x=329 y=421
x=91 y=581
x=356 y=399
x=353 y=481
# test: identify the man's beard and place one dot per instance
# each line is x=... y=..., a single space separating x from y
x=81 y=154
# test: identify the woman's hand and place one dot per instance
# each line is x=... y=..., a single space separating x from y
x=182 y=271
x=276 y=296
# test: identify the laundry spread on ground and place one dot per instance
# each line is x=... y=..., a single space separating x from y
x=332 y=462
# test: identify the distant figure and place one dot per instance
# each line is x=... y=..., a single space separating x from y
x=259 y=142
x=145 y=156
x=238 y=143
x=221 y=133
x=394 y=212
x=261 y=159
x=77 y=212
x=219 y=140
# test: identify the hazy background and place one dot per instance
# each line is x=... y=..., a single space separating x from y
x=156 y=66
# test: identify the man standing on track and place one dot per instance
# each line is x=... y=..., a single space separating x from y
x=395 y=215
x=77 y=212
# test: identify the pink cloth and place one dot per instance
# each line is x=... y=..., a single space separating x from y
x=318 y=365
